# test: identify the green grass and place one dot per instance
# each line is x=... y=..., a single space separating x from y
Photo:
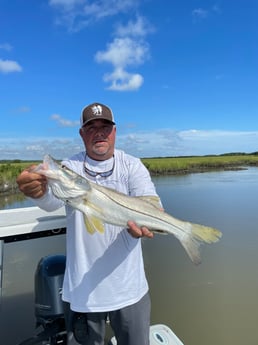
x=180 y=165
x=9 y=172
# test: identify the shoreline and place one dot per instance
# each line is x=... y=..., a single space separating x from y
x=11 y=188
x=197 y=170
x=157 y=166
x=199 y=164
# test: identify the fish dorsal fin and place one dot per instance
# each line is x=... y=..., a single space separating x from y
x=151 y=199
x=93 y=224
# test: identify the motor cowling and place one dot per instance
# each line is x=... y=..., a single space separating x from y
x=49 y=277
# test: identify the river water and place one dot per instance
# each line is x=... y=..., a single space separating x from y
x=214 y=303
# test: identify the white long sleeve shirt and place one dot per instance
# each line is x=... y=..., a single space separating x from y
x=104 y=272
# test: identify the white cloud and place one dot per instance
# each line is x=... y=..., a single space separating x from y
x=107 y=8
x=160 y=143
x=168 y=142
x=78 y=14
x=123 y=81
x=199 y=13
x=128 y=47
x=63 y=122
x=65 y=3
x=126 y=51
x=9 y=66
x=121 y=53
x=35 y=148
x=6 y=46
x=138 y=28
x=97 y=8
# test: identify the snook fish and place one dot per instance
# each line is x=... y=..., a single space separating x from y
x=104 y=205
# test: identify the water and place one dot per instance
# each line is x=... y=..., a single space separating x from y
x=14 y=201
x=214 y=303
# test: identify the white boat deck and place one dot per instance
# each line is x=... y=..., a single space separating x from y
x=30 y=219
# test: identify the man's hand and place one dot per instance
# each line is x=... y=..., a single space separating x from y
x=137 y=232
x=32 y=184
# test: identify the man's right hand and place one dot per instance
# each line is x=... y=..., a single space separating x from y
x=32 y=184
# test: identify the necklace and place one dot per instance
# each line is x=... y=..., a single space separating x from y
x=93 y=173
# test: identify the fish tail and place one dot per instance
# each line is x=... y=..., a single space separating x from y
x=194 y=236
x=192 y=248
x=205 y=233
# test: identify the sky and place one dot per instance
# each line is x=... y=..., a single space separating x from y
x=181 y=76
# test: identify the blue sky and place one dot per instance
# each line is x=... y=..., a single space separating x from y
x=179 y=75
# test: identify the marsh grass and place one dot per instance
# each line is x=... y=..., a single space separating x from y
x=9 y=170
x=184 y=165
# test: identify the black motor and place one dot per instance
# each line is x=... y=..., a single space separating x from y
x=49 y=311
x=48 y=288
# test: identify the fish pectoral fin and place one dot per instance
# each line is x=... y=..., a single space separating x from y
x=93 y=224
x=152 y=199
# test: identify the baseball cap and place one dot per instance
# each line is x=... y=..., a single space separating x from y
x=96 y=111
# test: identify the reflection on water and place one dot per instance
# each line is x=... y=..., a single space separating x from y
x=14 y=201
x=214 y=303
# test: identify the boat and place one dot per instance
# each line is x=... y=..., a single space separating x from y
x=159 y=335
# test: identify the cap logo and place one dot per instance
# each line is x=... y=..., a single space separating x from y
x=97 y=110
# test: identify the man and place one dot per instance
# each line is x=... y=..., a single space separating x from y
x=104 y=274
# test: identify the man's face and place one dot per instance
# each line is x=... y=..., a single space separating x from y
x=99 y=139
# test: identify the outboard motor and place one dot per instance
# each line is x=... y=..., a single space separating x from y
x=48 y=288
x=49 y=311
